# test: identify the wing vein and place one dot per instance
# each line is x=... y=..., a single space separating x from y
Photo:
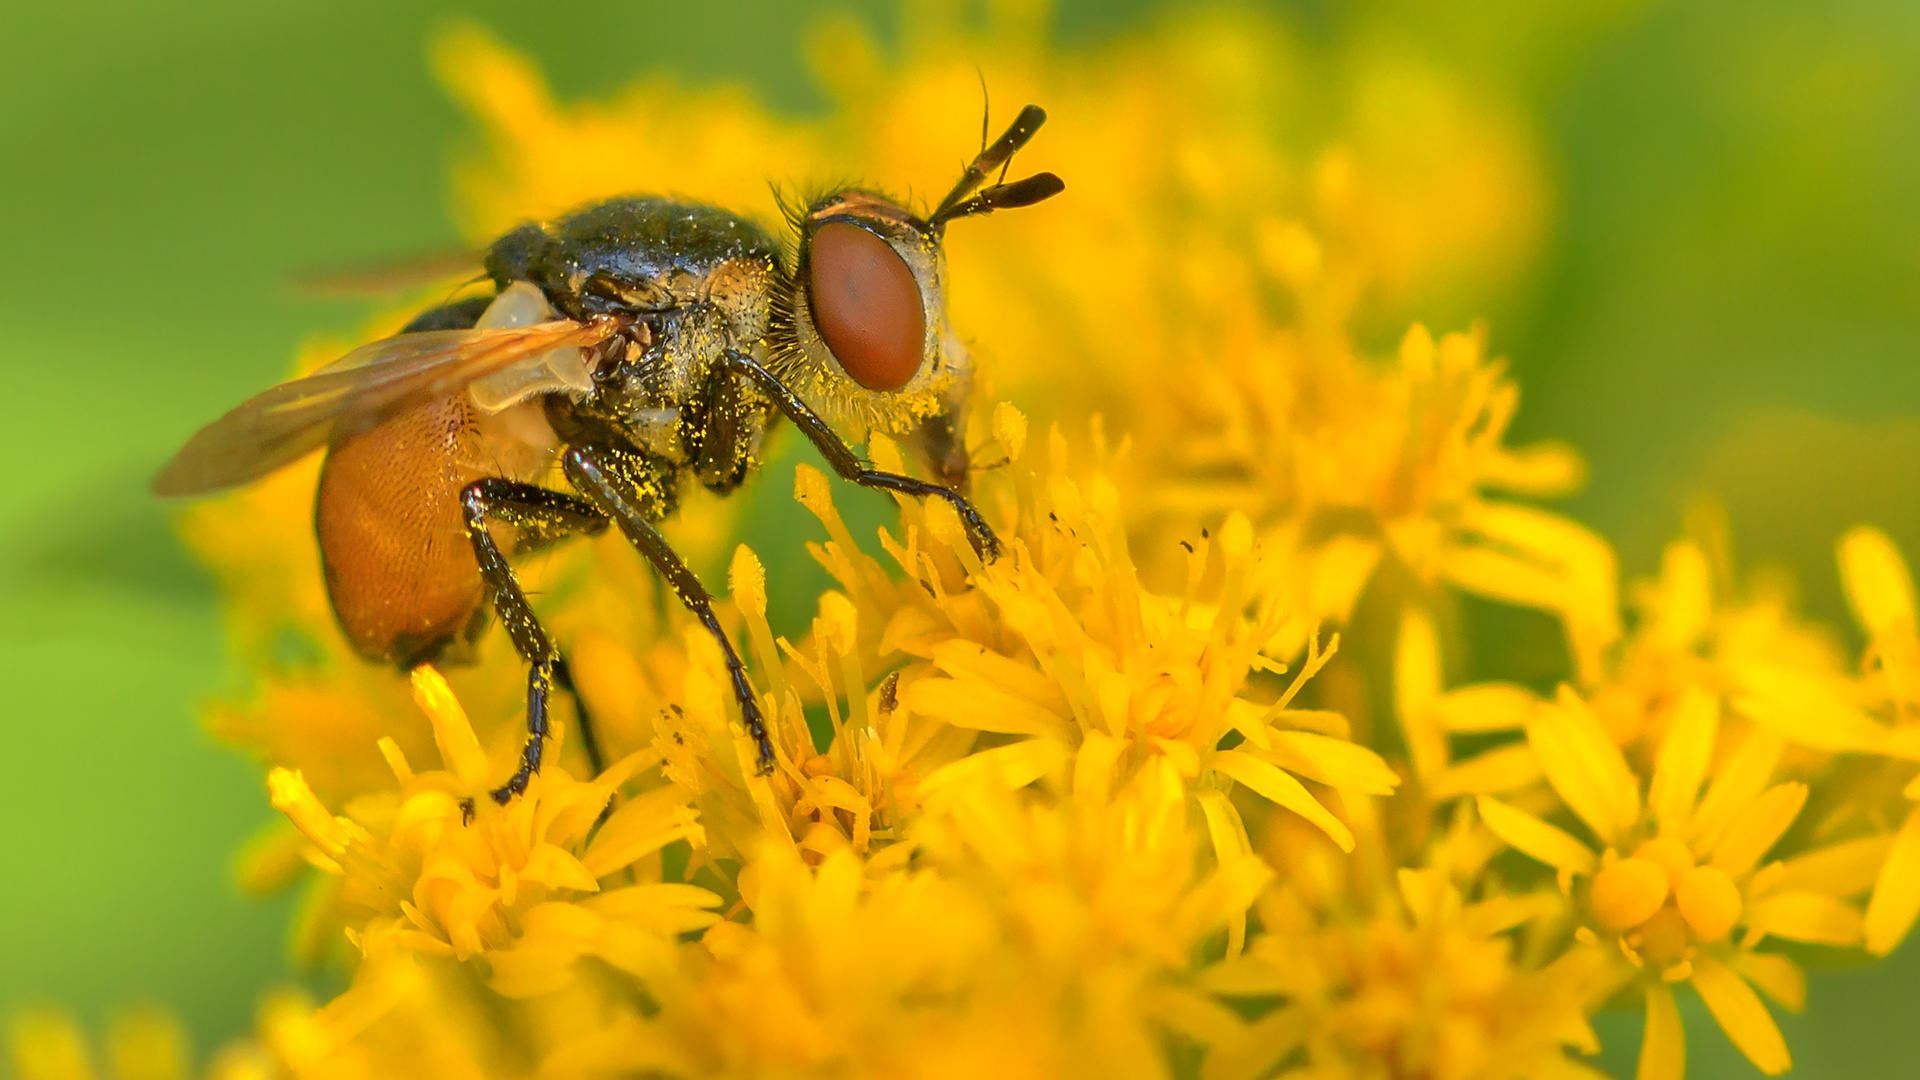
x=356 y=392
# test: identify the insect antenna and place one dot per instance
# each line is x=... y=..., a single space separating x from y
x=986 y=108
x=986 y=123
x=1001 y=196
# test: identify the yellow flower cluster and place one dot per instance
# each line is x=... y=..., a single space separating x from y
x=1178 y=785
x=1690 y=762
x=1018 y=843
x=140 y=1044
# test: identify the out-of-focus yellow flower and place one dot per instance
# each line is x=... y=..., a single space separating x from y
x=1415 y=970
x=1681 y=871
x=1881 y=592
x=1678 y=763
x=1348 y=462
x=140 y=1044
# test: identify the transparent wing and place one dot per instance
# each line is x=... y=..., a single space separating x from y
x=354 y=393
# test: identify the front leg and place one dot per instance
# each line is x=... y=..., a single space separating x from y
x=542 y=516
x=848 y=464
x=621 y=485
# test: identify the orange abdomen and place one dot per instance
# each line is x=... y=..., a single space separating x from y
x=399 y=568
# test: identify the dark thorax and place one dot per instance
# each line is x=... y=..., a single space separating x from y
x=692 y=283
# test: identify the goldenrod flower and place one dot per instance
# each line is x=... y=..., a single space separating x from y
x=1028 y=812
x=1116 y=803
x=448 y=873
x=1678 y=765
x=1060 y=642
x=1415 y=970
x=1678 y=874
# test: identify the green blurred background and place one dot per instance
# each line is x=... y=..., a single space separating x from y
x=1728 y=302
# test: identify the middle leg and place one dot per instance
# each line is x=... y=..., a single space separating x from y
x=618 y=483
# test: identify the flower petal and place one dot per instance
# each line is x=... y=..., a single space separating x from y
x=1492 y=706
x=1878 y=586
x=982 y=706
x=1737 y=782
x=1584 y=766
x=639 y=826
x=1812 y=708
x=1684 y=603
x=1265 y=1042
x=1224 y=827
x=1505 y=768
x=452 y=732
x=1013 y=766
x=1536 y=558
x=1842 y=869
x=1536 y=838
x=1800 y=915
x=289 y=793
x=1543 y=470
x=1198 y=1017
x=1282 y=789
x=1742 y=1015
x=1896 y=895
x=1337 y=763
x=1663 y=1049
x=1759 y=827
x=46 y=1044
x=557 y=869
x=1416 y=690
x=1685 y=752
x=1777 y=977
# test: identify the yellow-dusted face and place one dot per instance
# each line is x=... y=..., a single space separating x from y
x=868 y=337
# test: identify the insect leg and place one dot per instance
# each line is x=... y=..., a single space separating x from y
x=543 y=516
x=729 y=419
x=848 y=464
x=563 y=678
x=619 y=484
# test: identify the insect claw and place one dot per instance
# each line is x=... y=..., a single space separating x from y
x=980 y=535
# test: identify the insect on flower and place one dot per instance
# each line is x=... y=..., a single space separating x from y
x=641 y=340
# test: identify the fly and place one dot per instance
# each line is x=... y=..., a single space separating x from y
x=641 y=341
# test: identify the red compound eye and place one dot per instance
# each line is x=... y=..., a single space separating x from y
x=866 y=306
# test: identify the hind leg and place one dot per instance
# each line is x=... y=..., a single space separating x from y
x=589 y=742
x=545 y=516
